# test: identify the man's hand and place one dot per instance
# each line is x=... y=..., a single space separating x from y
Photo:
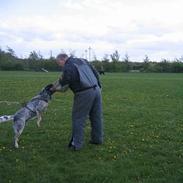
x=57 y=87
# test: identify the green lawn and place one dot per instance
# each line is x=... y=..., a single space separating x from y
x=143 y=118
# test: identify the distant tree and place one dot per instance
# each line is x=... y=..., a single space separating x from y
x=115 y=56
x=95 y=57
x=105 y=58
x=146 y=59
x=181 y=59
x=146 y=64
x=177 y=66
x=126 y=58
x=106 y=64
x=51 y=58
x=126 y=62
x=10 y=51
x=34 y=56
x=40 y=55
x=1 y=53
x=165 y=66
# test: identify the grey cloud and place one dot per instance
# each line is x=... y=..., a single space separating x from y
x=162 y=46
x=27 y=35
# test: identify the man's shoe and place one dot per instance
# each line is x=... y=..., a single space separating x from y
x=73 y=148
x=70 y=143
x=95 y=143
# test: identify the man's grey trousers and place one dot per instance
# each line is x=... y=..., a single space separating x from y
x=87 y=103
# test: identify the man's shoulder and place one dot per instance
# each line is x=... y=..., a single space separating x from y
x=69 y=65
x=72 y=61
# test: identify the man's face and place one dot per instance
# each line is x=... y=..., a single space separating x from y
x=61 y=62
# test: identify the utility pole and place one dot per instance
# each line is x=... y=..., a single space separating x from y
x=51 y=54
x=89 y=54
x=86 y=52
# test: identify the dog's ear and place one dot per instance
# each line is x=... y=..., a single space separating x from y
x=48 y=87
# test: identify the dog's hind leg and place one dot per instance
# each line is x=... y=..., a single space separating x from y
x=39 y=118
x=18 y=129
x=16 y=140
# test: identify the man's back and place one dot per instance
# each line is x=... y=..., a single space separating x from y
x=79 y=74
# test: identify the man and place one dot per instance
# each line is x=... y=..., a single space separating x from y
x=84 y=81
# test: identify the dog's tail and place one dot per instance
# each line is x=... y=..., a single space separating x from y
x=6 y=118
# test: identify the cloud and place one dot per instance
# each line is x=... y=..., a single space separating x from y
x=137 y=27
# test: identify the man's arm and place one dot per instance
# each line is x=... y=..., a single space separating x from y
x=57 y=87
x=62 y=84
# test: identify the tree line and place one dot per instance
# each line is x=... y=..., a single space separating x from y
x=35 y=62
x=109 y=63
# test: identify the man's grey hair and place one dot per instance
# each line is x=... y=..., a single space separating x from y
x=62 y=56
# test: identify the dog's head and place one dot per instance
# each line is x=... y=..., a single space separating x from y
x=46 y=92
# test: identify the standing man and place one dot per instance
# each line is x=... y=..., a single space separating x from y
x=84 y=81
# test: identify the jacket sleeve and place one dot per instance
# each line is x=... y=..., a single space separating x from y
x=64 y=80
x=59 y=88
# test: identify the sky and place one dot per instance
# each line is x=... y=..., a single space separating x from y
x=133 y=27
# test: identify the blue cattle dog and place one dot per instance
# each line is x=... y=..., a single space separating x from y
x=32 y=109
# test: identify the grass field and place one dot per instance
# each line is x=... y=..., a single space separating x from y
x=143 y=117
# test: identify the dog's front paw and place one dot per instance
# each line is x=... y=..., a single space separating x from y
x=16 y=145
x=38 y=125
